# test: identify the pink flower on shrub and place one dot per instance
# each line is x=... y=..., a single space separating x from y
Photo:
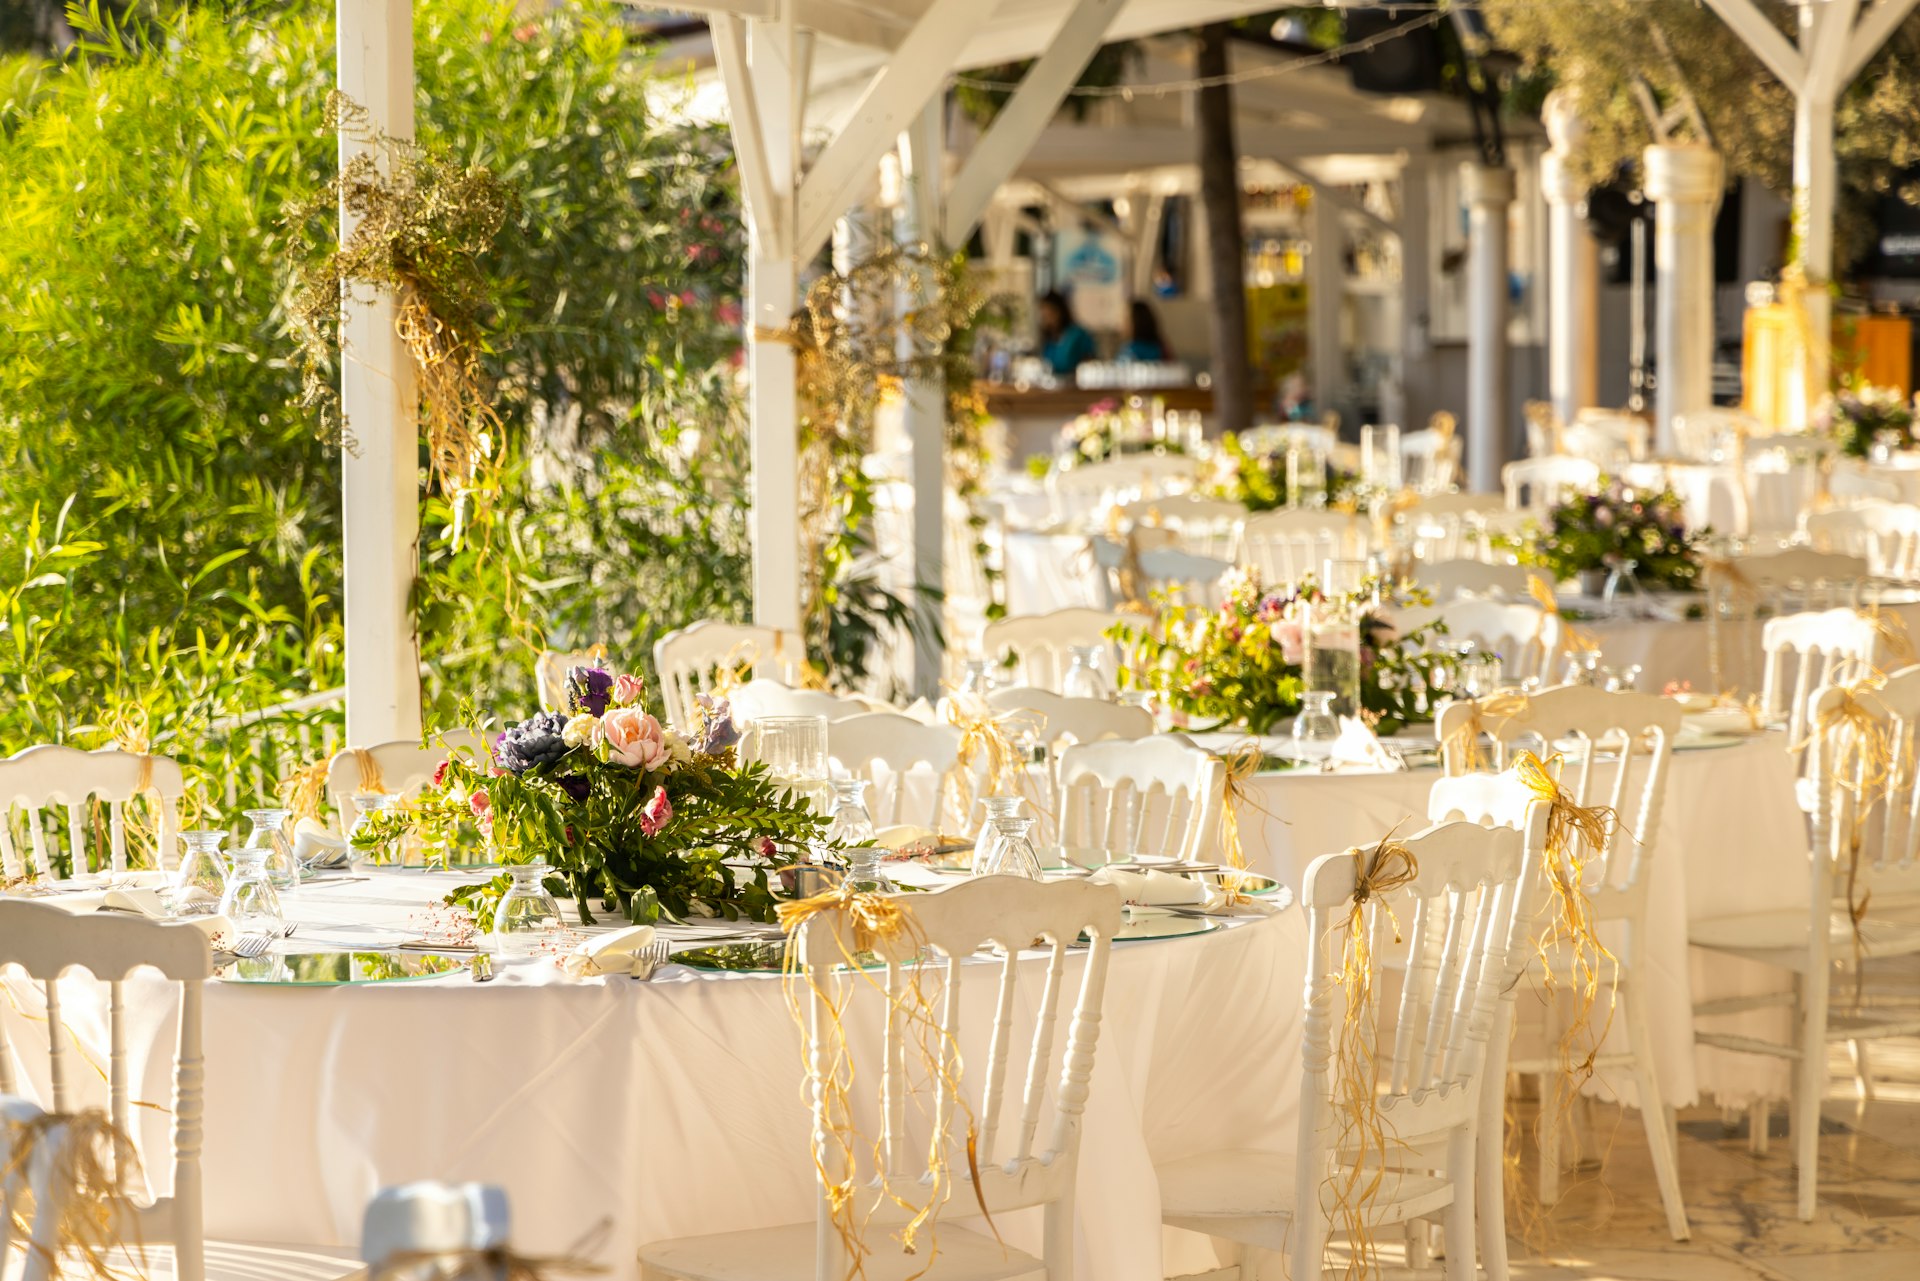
x=627 y=690
x=767 y=848
x=1288 y=636
x=482 y=806
x=440 y=773
x=634 y=738
x=656 y=813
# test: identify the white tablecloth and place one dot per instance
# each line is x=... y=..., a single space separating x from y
x=665 y=1108
x=1730 y=840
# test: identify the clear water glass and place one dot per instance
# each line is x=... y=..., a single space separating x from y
x=270 y=834
x=250 y=900
x=526 y=917
x=997 y=807
x=1011 y=853
x=851 y=823
x=200 y=882
x=1316 y=727
x=976 y=678
x=1084 y=678
x=371 y=805
x=794 y=750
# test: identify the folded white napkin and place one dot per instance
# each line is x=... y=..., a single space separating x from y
x=923 y=711
x=317 y=846
x=1358 y=747
x=901 y=835
x=614 y=953
x=1153 y=888
x=150 y=904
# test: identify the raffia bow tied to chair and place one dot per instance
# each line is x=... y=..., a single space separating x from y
x=1865 y=759
x=1242 y=763
x=1487 y=716
x=92 y=1175
x=872 y=921
x=1360 y=1133
x=1893 y=634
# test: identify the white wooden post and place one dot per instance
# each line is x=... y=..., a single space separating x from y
x=1415 y=222
x=1489 y=192
x=1573 y=267
x=380 y=473
x=1326 y=277
x=922 y=150
x=1683 y=180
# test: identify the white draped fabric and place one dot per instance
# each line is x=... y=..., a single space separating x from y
x=665 y=1108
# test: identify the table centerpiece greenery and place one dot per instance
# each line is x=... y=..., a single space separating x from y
x=1107 y=430
x=651 y=822
x=1866 y=416
x=1604 y=531
x=1243 y=662
x=1257 y=478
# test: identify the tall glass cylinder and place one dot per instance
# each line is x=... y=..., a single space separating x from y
x=794 y=750
x=1332 y=635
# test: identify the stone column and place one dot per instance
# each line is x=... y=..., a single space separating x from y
x=1684 y=181
x=1489 y=192
x=1573 y=267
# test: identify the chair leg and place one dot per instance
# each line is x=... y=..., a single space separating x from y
x=1059 y=1240
x=1553 y=1120
x=1489 y=1173
x=1662 y=1142
x=1459 y=1222
x=1809 y=1088
x=1862 y=1073
x=1419 y=1246
x=1759 y=1116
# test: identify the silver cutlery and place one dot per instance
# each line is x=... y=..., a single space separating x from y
x=650 y=958
x=248 y=946
x=481 y=969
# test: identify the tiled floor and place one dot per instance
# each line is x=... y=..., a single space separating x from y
x=1609 y=1225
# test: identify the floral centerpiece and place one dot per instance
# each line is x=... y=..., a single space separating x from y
x=1106 y=430
x=1867 y=416
x=1243 y=662
x=1598 y=533
x=1257 y=478
x=650 y=822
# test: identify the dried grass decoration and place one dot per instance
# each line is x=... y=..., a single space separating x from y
x=1866 y=760
x=418 y=224
x=921 y=1039
x=92 y=1169
x=1487 y=716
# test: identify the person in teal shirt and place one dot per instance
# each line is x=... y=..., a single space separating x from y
x=1144 y=341
x=1063 y=342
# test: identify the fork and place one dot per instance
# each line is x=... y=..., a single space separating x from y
x=650 y=958
x=248 y=946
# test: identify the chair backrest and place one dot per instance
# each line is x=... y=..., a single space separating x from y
x=1851 y=810
x=689 y=661
x=1538 y=483
x=1429 y=460
x=1593 y=725
x=1041 y=644
x=48 y=941
x=1027 y=1114
x=1075 y=720
x=1204 y=526
x=1197 y=578
x=1156 y=796
x=551 y=672
x=1083 y=491
x=399 y=767
x=1606 y=438
x=884 y=748
x=1709 y=435
x=54 y=776
x=1808 y=650
x=1446 y=579
x=759 y=698
x=1793 y=578
x=1277 y=438
x=1853 y=479
x=1526 y=637
x=1886 y=534
x=1459 y=915
x=1284 y=546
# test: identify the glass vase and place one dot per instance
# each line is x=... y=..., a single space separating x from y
x=200 y=882
x=371 y=805
x=1332 y=660
x=270 y=834
x=527 y=917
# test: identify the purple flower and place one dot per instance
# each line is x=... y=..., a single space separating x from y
x=576 y=786
x=534 y=741
x=589 y=689
x=717 y=731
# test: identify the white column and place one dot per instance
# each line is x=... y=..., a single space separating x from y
x=1573 y=267
x=1815 y=177
x=922 y=148
x=1325 y=285
x=379 y=475
x=1489 y=192
x=1683 y=180
x=1416 y=309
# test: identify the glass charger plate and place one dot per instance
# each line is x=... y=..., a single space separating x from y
x=333 y=968
x=1708 y=742
x=1135 y=929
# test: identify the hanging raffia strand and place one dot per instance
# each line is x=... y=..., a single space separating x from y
x=1865 y=760
x=987 y=739
x=304 y=791
x=371 y=779
x=1360 y=1135
x=736 y=669
x=1894 y=638
x=873 y=919
x=1242 y=763
x=1488 y=716
x=1573 y=640
x=495 y=1264
x=94 y=1170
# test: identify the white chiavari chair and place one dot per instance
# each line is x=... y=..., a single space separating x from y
x=1742 y=590
x=758 y=698
x=1028 y=1134
x=1456 y=526
x=887 y=749
x=1173 y=571
x=1623 y=746
x=1446 y=579
x=1059 y=720
x=690 y=661
x=1155 y=796
x=1115 y=561
x=1083 y=492
x=1886 y=534
x=1285 y=546
x=47 y=942
x=1805 y=651
x=1854 y=480
x=1041 y=645
x=1865 y=850
x=1607 y=438
x=1535 y=484
x=1526 y=637
x=1459 y=915
x=400 y=768
x=1430 y=457
x=1205 y=526
x=1277 y=438
x=52 y=776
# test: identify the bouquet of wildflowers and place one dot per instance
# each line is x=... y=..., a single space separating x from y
x=1868 y=416
x=1244 y=661
x=1617 y=525
x=650 y=822
x=1257 y=478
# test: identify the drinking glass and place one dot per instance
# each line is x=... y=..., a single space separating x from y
x=997 y=807
x=270 y=834
x=200 y=882
x=371 y=806
x=1011 y=853
x=1316 y=727
x=526 y=916
x=1084 y=678
x=250 y=900
x=850 y=824
x=794 y=750
x=976 y=678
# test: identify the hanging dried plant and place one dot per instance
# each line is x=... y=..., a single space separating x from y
x=420 y=225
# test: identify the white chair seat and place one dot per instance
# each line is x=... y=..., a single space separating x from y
x=786 y=1254
x=226 y=1261
x=1786 y=931
x=1249 y=1196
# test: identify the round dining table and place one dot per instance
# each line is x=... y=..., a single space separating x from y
x=616 y=1112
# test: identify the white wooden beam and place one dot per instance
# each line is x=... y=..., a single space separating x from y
x=849 y=25
x=916 y=72
x=1026 y=114
x=1874 y=30
x=764 y=214
x=1824 y=44
x=1765 y=39
x=1339 y=199
x=922 y=154
x=379 y=476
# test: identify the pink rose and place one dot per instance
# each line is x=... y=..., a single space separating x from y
x=1287 y=635
x=440 y=773
x=635 y=738
x=767 y=847
x=482 y=806
x=627 y=690
x=656 y=812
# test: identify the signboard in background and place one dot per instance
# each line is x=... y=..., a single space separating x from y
x=1277 y=332
x=1089 y=270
